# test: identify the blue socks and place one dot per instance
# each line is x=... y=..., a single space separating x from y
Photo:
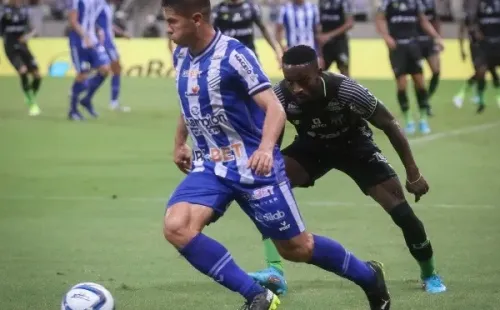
x=93 y=85
x=332 y=256
x=76 y=90
x=115 y=87
x=212 y=259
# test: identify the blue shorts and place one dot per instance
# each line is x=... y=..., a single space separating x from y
x=86 y=59
x=111 y=50
x=271 y=207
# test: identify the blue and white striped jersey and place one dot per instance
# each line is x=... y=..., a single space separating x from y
x=88 y=11
x=225 y=124
x=105 y=22
x=300 y=23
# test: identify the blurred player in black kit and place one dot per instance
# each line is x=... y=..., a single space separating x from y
x=466 y=26
x=16 y=31
x=430 y=51
x=330 y=113
x=336 y=20
x=236 y=18
x=398 y=21
x=485 y=22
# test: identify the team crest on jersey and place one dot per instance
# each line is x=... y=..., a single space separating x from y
x=333 y=106
x=293 y=108
x=193 y=91
x=195 y=110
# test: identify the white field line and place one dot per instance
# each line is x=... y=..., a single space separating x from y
x=453 y=133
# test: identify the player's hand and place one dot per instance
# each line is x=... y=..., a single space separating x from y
x=321 y=63
x=23 y=39
x=391 y=43
x=417 y=185
x=261 y=161
x=279 y=56
x=439 y=43
x=183 y=157
x=323 y=38
x=87 y=43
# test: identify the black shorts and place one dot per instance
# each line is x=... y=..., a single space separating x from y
x=488 y=54
x=475 y=54
x=406 y=59
x=19 y=55
x=336 y=50
x=428 y=48
x=361 y=160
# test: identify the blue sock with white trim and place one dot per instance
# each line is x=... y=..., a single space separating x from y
x=212 y=258
x=332 y=256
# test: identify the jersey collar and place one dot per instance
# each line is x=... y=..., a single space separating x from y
x=207 y=49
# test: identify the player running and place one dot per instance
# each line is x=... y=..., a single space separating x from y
x=397 y=21
x=236 y=18
x=486 y=24
x=86 y=53
x=16 y=31
x=299 y=20
x=466 y=26
x=108 y=30
x=336 y=20
x=429 y=49
x=234 y=120
x=330 y=113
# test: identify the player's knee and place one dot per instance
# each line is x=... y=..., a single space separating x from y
x=298 y=249
x=404 y=217
x=176 y=226
x=36 y=74
x=104 y=70
x=116 y=68
x=23 y=70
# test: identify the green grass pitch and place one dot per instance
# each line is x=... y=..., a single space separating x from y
x=85 y=202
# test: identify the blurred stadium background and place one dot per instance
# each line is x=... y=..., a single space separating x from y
x=84 y=201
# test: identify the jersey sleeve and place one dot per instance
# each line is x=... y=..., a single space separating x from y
x=359 y=99
x=73 y=4
x=247 y=70
x=256 y=13
x=348 y=8
x=278 y=91
x=382 y=7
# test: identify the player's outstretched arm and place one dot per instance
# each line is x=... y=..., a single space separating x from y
x=385 y=121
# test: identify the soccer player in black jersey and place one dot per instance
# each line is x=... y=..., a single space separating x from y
x=430 y=51
x=485 y=18
x=397 y=21
x=16 y=31
x=236 y=18
x=336 y=20
x=466 y=27
x=331 y=113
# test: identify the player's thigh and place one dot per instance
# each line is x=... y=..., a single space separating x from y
x=80 y=59
x=343 y=55
x=398 y=58
x=29 y=60
x=14 y=58
x=303 y=163
x=366 y=166
x=493 y=56
x=329 y=54
x=477 y=56
x=272 y=208
x=414 y=59
x=99 y=58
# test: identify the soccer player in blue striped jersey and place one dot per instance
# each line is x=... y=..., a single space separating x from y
x=107 y=30
x=87 y=54
x=234 y=120
x=300 y=22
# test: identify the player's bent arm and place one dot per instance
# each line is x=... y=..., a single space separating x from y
x=385 y=121
x=181 y=133
x=280 y=29
x=349 y=23
x=274 y=122
x=427 y=26
x=381 y=25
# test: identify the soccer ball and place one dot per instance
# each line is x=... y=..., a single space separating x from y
x=88 y=296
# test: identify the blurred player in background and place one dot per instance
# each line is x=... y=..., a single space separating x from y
x=16 y=31
x=236 y=18
x=486 y=24
x=397 y=21
x=299 y=20
x=107 y=29
x=430 y=51
x=466 y=26
x=330 y=114
x=336 y=20
x=234 y=120
x=87 y=54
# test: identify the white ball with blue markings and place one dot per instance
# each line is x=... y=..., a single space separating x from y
x=88 y=296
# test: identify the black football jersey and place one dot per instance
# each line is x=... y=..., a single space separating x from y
x=402 y=17
x=14 y=22
x=340 y=116
x=237 y=20
x=488 y=19
x=333 y=13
